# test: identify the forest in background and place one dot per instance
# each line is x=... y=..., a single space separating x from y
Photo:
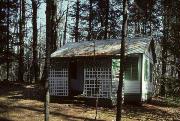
x=24 y=36
x=27 y=38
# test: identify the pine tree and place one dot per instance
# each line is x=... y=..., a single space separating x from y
x=66 y=23
x=21 y=40
x=8 y=10
x=51 y=37
x=122 y=58
x=35 y=32
x=89 y=36
x=76 y=29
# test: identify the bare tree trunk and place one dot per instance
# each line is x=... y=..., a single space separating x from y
x=164 y=49
x=21 y=40
x=53 y=25
x=90 y=21
x=164 y=59
x=8 y=19
x=178 y=69
x=77 y=21
x=51 y=37
x=47 y=60
x=65 y=26
x=123 y=40
x=106 y=19
x=35 y=31
x=178 y=43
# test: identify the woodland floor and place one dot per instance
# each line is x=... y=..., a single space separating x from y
x=24 y=103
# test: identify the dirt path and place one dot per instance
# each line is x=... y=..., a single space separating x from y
x=24 y=103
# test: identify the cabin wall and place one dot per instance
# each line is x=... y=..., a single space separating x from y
x=147 y=78
x=58 y=79
x=132 y=87
x=115 y=80
x=134 y=90
x=97 y=78
x=75 y=76
x=80 y=73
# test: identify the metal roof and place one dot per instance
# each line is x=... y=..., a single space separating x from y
x=102 y=47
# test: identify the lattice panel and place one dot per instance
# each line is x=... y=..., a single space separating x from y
x=103 y=85
x=58 y=80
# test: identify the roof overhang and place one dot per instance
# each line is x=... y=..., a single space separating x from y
x=110 y=47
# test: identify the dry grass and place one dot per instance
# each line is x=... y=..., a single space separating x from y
x=24 y=103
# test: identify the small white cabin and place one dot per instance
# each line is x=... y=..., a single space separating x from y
x=91 y=68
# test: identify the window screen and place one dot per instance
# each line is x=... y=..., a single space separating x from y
x=131 y=68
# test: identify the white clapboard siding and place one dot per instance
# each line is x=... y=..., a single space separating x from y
x=131 y=86
x=58 y=82
x=144 y=90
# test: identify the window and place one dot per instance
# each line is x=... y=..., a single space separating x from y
x=131 y=68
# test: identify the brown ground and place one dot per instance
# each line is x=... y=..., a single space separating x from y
x=24 y=103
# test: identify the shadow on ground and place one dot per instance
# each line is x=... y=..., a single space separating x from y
x=162 y=102
x=15 y=92
x=4 y=119
x=21 y=91
x=36 y=92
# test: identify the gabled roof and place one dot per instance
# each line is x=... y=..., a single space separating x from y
x=108 y=47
